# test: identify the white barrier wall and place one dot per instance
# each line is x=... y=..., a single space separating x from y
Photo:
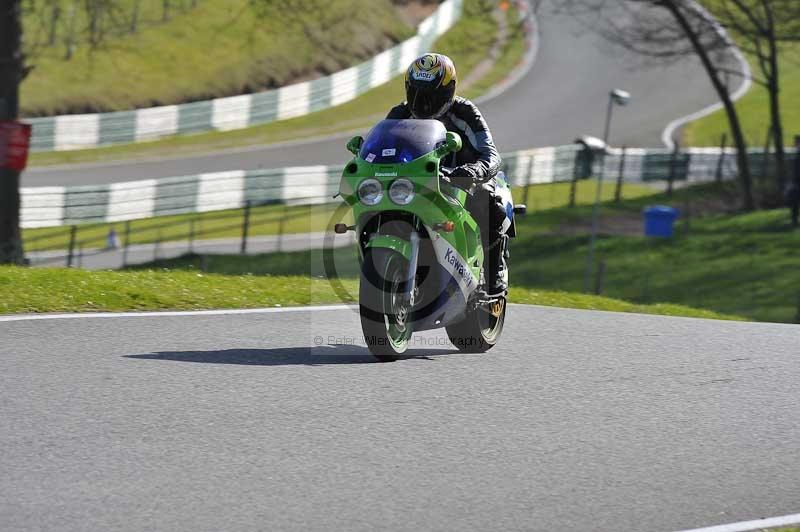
x=58 y=206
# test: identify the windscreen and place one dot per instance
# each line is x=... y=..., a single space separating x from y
x=402 y=141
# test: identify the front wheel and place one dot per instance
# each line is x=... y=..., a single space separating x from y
x=385 y=313
x=480 y=329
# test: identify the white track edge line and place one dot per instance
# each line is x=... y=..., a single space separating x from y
x=669 y=131
x=167 y=314
x=757 y=524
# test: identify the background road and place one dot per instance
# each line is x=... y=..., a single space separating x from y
x=563 y=97
x=577 y=421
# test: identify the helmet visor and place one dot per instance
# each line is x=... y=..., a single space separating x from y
x=429 y=103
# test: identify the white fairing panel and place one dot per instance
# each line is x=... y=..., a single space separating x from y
x=454 y=264
x=504 y=191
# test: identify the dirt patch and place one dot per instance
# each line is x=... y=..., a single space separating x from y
x=622 y=225
x=700 y=204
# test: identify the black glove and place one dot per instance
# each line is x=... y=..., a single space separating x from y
x=462 y=177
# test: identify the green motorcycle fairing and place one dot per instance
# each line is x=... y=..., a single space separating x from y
x=434 y=206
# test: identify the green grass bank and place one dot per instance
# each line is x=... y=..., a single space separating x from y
x=753 y=108
x=196 y=50
x=466 y=43
x=730 y=263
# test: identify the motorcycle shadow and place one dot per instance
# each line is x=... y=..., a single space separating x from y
x=289 y=356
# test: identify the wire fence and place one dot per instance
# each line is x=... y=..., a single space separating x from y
x=257 y=227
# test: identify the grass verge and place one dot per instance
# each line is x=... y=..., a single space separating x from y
x=29 y=290
x=466 y=43
x=734 y=264
x=741 y=264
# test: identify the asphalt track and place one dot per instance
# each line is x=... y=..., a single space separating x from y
x=563 y=97
x=578 y=420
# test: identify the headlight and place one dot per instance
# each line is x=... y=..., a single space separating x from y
x=370 y=192
x=401 y=191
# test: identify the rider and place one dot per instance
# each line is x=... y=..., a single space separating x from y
x=431 y=93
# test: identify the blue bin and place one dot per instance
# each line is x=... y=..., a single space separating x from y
x=659 y=221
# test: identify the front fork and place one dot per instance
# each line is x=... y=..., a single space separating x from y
x=411 y=252
x=413 y=260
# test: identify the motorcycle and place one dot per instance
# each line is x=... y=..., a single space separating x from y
x=420 y=250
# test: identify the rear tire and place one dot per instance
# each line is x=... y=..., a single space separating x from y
x=480 y=329
x=384 y=312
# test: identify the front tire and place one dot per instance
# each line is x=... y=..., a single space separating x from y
x=385 y=315
x=480 y=329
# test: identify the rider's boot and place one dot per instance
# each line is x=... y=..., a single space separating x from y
x=495 y=268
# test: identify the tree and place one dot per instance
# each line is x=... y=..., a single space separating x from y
x=12 y=72
x=668 y=30
x=762 y=27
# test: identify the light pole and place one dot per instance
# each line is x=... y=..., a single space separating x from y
x=615 y=97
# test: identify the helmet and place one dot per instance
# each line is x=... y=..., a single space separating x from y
x=430 y=85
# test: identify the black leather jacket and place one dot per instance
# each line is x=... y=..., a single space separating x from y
x=479 y=157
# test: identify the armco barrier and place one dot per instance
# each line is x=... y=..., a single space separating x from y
x=58 y=206
x=75 y=132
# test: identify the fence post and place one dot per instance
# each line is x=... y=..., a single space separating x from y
x=723 y=143
x=621 y=176
x=73 y=233
x=600 y=278
x=127 y=243
x=245 y=227
x=765 y=157
x=191 y=235
x=687 y=214
x=528 y=181
x=157 y=245
x=672 y=169
x=280 y=228
x=573 y=187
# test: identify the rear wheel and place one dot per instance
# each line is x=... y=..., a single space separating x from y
x=385 y=314
x=480 y=329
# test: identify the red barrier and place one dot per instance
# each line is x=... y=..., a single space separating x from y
x=15 y=139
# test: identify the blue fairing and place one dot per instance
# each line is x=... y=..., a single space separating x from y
x=402 y=141
x=503 y=190
x=448 y=307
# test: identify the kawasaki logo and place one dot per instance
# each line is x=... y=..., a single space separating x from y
x=458 y=266
x=385 y=174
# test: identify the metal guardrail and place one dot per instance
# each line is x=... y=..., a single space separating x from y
x=74 y=132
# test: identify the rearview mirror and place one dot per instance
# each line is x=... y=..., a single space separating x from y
x=451 y=144
x=354 y=144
